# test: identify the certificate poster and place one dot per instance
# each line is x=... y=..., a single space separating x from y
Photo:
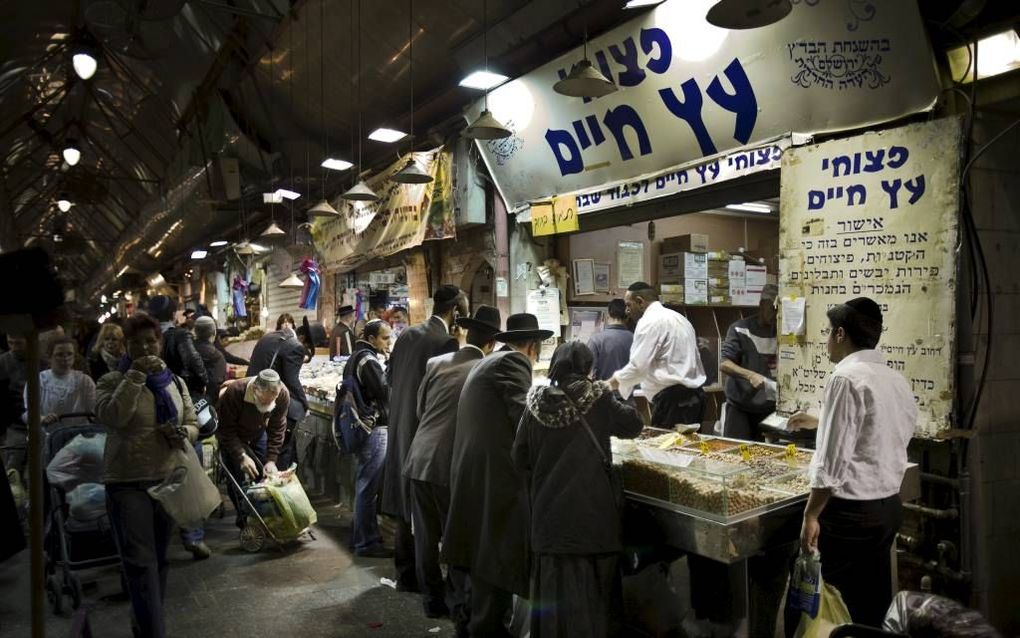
x=584 y=277
x=630 y=263
x=584 y=323
x=875 y=215
x=601 y=276
x=544 y=303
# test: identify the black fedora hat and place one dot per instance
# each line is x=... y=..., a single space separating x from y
x=486 y=319
x=521 y=327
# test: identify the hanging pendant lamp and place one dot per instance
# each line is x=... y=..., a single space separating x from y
x=292 y=282
x=411 y=173
x=485 y=126
x=243 y=247
x=748 y=14
x=360 y=192
x=273 y=231
x=323 y=209
x=584 y=80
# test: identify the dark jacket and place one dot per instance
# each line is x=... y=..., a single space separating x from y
x=573 y=506
x=290 y=356
x=183 y=359
x=97 y=365
x=242 y=424
x=752 y=346
x=611 y=348
x=215 y=369
x=366 y=365
x=232 y=359
x=487 y=527
x=343 y=333
x=406 y=368
x=432 y=449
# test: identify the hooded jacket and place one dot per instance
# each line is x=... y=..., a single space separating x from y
x=573 y=506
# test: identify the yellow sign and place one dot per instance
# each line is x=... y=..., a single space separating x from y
x=669 y=442
x=705 y=449
x=565 y=210
x=745 y=452
x=543 y=220
x=791 y=452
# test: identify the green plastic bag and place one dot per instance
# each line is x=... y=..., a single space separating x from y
x=295 y=511
x=832 y=612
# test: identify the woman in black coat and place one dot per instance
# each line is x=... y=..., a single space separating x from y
x=575 y=514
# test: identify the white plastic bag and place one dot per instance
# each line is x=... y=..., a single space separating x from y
x=87 y=501
x=80 y=461
x=187 y=494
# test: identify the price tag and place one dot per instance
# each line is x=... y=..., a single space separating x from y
x=791 y=453
x=669 y=442
x=543 y=220
x=705 y=451
x=565 y=212
x=745 y=452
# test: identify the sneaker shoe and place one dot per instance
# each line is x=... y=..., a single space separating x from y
x=199 y=550
x=376 y=551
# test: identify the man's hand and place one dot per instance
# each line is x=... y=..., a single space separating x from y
x=270 y=468
x=756 y=380
x=249 y=468
x=809 y=533
x=802 y=421
x=175 y=435
x=614 y=384
x=150 y=364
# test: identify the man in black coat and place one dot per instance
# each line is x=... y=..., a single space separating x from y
x=488 y=525
x=281 y=351
x=406 y=368
x=341 y=340
x=428 y=461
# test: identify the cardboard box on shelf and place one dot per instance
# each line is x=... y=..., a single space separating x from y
x=755 y=276
x=675 y=267
x=737 y=270
x=719 y=282
x=671 y=289
x=696 y=291
x=691 y=243
x=719 y=299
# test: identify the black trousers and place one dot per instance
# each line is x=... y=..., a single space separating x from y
x=491 y=607
x=429 y=505
x=678 y=405
x=741 y=424
x=403 y=556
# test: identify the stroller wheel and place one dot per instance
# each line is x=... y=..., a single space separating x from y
x=54 y=594
x=253 y=538
x=76 y=593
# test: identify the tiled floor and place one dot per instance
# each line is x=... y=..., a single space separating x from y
x=315 y=588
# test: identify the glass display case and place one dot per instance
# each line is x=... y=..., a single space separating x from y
x=716 y=478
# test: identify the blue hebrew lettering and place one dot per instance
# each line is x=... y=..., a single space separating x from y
x=650 y=38
x=874 y=160
x=582 y=135
x=689 y=110
x=570 y=162
x=600 y=58
x=841 y=160
x=816 y=199
x=856 y=189
x=596 y=129
x=893 y=188
x=633 y=74
x=916 y=188
x=742 y=101
x=619 y=118
x=901 y=153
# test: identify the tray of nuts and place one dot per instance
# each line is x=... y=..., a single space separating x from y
x=749 y=451
x=711 y=445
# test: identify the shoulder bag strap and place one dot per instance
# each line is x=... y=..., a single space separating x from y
x=277 y=353
x=591 y=435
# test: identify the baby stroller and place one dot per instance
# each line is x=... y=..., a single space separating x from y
x=73 y=544
x=275 y=508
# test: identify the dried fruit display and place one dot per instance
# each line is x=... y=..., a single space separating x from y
x=713 y=445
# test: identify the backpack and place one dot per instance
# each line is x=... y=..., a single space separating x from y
x=353 y=417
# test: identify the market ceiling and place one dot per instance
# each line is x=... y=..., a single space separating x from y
x=269 y=82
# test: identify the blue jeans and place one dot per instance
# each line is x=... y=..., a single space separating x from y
x=197 y=535
x=143 y=530
x=367 y=482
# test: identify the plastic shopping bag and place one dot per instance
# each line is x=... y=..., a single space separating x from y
x=87 y=501
x=187 y=494
x=805 y=591
x=295 y=511
x=929 y=616
x=832 y=612
x=80 y=461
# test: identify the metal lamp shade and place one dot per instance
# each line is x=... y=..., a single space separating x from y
x=486 y=127
x=361 y=193
x=411 y=174
x=584 y=80
x=244 y=248
x=273 y=232
x=323 y=209
x=292 y=282
x=748 y=14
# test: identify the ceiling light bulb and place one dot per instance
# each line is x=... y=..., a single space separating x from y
x=218 y=243
x=85 y=64
x=483 y=80
x=64 y=205
x=71 y=153
x=198 y=254
x=272 y=198
x=334 y=164
x=386 y=135
x=287 y=194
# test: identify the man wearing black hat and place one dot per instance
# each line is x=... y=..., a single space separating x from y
x=868 y=417
x=406 y=368
x=341 y=340
x=428 y=460
x=488 y=526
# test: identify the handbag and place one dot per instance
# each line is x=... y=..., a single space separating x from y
x=615 y=482
x=187 y=494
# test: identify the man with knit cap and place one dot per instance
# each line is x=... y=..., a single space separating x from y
x=213 y=360
x=866 y=422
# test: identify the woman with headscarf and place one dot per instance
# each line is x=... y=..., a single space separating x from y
x=562 y=446
x=149 y=418
x=105 y=355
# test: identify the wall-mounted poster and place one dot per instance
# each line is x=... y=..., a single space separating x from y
x=630 y=263
x=584 y=277
x=602 y=276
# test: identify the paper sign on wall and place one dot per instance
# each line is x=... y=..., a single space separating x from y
x=543 y=219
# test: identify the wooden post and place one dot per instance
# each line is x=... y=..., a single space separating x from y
x=35 y=485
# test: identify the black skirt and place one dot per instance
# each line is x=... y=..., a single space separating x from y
x=575 y=595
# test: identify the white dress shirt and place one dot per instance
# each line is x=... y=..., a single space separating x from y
x=664 y=354
x=73 y=392
x=867 y=419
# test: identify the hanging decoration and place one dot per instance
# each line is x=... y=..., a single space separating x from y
x=239 y=290
x=310 y=294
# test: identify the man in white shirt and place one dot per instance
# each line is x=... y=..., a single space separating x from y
x=664 y=360
x=867 y=420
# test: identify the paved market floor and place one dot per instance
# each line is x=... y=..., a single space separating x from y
x=313 y=589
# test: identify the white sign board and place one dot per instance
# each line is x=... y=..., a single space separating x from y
x=876 y=216
x=544 y=303
x=689 y=90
